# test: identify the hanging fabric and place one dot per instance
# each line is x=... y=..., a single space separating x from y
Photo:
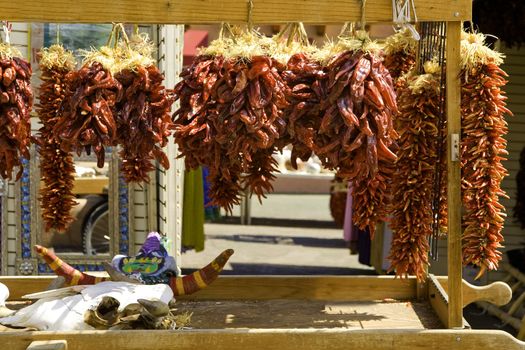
x=193 y=211
x=349 y=233
x=211 y=212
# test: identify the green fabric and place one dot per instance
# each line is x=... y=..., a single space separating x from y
x=193 y=211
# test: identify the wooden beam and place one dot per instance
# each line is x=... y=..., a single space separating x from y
x=20 y=285
x=341 y=288
x=455 y=310
x=284 y=339
x=216 y=11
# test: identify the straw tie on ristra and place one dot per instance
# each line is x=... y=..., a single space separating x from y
x=400 y=55
x=143 y=268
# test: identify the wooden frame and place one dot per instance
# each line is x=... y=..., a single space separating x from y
x=216 y=11
x=310 y=288
x=449 y=307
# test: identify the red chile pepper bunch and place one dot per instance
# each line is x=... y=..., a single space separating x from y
x=143 y=121
x=400 y=55
x=230 y=118
x=413 y=181
x=87 y=120
x=482 y=152
x=117 y=98
x=16 y=101
x=57 y=169
x=357 y=122
x=197 y=122
x=343 y=112
x=356 y=136
x=307 y=82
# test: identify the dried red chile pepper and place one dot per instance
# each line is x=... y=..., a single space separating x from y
x=57 y=169
x=413 y=181
x=87 y=119
x=482 y=152
x=307 y=82
x=230 y=119
x=356 y=135
x=144 y=122
x=16 y=102
x=400 y=55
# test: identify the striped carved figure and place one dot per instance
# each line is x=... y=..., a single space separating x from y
x=180 y=285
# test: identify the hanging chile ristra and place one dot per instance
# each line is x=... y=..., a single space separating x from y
x=232 y=99
x=143 y=114
x=307 y=82
x=400 y=55
x=372 y=198
x=356 y=136
x=16 y=102
x=57 y=168
x=482 y=151
x=87 y=121
x=413 y=181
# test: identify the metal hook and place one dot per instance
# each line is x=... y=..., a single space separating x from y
x=7 y=27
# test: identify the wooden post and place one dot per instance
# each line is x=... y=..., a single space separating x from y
x=455 y=310
x=172 y=180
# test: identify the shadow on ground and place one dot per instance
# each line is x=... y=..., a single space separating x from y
x=236 y=220
x=284 y=240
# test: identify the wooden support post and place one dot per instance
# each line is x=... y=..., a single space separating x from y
x=171 y=181
x=455 y=309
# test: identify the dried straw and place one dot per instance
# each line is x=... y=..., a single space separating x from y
x=124 y=55
x=430 y=81
x=56 y=56
x=474 y=52
x=402 y=41
x=359 y=41
x=8 y=51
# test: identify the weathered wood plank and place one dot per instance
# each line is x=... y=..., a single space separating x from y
x=309 y=287
x=438 y=298
x=216 y=11
x=455 y=311
x=243 y=339
x=272 y=287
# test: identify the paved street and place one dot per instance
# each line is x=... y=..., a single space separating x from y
x=291 y=234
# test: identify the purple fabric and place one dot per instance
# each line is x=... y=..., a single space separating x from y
x=349 y=233
x=151 y=244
